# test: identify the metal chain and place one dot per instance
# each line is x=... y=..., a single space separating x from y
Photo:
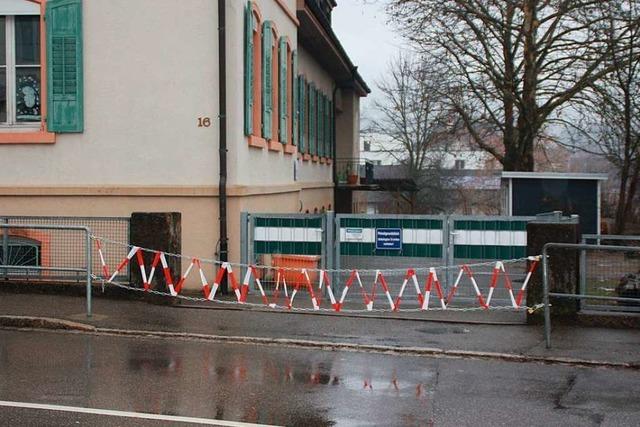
x=299 y=309
x=389 y=271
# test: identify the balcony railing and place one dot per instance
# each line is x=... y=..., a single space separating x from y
x=350 y=171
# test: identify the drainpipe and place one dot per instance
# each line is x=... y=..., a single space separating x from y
x=222 y=185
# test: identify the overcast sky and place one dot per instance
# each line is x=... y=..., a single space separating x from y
x=368 y=39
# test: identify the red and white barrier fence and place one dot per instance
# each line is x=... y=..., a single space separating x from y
x=303 y=282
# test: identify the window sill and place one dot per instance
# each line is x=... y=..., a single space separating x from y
x=275 y=146
x=290 y=149
x=35 y=137
x=257 y=142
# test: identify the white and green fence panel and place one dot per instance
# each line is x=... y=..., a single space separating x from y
x=494 y=238
x=282 y=235
x=421 y=237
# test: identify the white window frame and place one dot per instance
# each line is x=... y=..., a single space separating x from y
x=10 y=68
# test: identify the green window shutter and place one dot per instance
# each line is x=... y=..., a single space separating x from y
x=332 y=142
x=248 y=70
x=296 y=107
x=267 y=82
x=320 y=124
x=302 y=108
x=64 y=66
x=327 y=127
x=282 y=89
x=312 y=120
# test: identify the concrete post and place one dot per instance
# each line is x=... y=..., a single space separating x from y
x=563 y=267
x=159 y=231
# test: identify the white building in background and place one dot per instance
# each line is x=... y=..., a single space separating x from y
x=109 y=107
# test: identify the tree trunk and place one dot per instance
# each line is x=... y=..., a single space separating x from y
x=519 y=152
x=625 y=198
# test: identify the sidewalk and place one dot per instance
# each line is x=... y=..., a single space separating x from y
x=590 y=344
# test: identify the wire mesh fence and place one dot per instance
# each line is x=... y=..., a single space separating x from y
x=56 y=249
x=610 y=274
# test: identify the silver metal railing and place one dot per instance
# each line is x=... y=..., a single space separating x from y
x=579 y=296
x=86 y=271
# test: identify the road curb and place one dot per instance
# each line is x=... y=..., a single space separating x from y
x=43 y=323
x=346 y=314
x=373 y=348
x=28 y=322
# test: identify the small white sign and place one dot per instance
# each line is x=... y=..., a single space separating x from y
x=354 y=234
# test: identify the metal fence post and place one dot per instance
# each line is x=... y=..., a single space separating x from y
x=88 y=267
x=583 y=269
x=545 y=297
x=244 y=240
x=448 y=242
x=329 y=239
x=335 y=276
x=5 y=247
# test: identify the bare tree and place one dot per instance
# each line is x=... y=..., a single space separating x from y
x=513 y=65
x=409 y=126
x=606 y=117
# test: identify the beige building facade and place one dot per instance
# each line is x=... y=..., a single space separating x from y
x=126 y=116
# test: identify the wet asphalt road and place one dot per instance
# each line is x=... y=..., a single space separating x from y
x=286 y=386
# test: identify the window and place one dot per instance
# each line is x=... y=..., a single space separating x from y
x=22 y=252
x=459 y=164
x=20 y=89
x=41 y=82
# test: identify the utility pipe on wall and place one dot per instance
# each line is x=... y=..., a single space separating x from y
x=222 y=90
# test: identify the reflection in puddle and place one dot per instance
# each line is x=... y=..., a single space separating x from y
x=259 y=387
x=281 y=386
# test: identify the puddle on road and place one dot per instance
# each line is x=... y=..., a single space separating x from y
x=255 y=384
x=292 y=387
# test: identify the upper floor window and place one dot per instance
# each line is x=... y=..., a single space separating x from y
x=41 y=78
x=20 y=90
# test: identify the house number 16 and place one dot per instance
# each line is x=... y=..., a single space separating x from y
x=204 y=122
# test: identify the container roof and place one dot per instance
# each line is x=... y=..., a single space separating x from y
x=556 y=175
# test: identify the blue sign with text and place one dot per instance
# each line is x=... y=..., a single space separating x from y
x=389 y=238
